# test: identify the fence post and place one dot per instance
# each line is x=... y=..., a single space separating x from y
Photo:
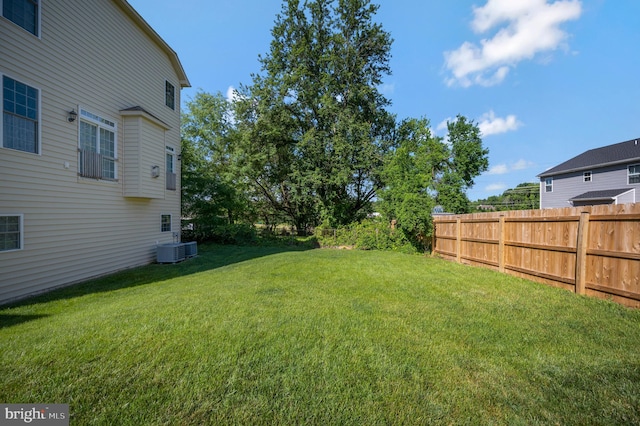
x=458 y=240
x=501 y=244
x=433 y=238
x=581 y=253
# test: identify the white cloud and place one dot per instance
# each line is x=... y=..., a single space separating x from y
x=522 y=165
x=495 y=187
x=489 y=124
x=525 y=28
x=503 y=169
x=443 y=124
x=388 y=88
x=500 y=169
x=232 y=94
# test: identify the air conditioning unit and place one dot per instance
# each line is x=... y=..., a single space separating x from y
x=170 y=253
x=190 y=249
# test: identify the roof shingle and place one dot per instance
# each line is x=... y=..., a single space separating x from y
x=622 y=152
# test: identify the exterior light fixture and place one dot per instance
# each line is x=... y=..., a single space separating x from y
x=72 y=116
x=155 y=171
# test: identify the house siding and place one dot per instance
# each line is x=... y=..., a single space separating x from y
x=569 y=185
x=96 y=58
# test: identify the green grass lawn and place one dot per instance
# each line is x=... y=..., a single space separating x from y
x=257 y=335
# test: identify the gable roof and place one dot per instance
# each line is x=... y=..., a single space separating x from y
x=619 y=153
x=150 y=32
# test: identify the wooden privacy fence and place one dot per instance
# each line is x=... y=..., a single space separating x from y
x=591 y=250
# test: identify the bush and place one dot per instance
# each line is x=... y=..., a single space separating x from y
x=370 y=234
x=239 y=234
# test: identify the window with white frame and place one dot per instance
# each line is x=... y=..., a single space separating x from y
x=169 y=95
x=24 y=13
x=10 y=232
x=171 y=167
x=165 y=223
x=586 y=176
x=98 y=147
x=634 y=174
x=548 y=185
x=20 y=116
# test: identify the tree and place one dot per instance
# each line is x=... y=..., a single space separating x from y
x=211 y=192
x=424 y=170
x=314 y=126
x=524 y=196
x=467 y=159
x=409 y=174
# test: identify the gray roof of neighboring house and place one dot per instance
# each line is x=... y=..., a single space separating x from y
x=619 y=153
x=608 y=194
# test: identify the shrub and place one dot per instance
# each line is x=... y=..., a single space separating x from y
x=370 y=234
x=238 y=233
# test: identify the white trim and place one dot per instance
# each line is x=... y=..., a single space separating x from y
x=39 y=123
x=21 y=216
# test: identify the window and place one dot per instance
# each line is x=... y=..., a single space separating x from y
x=10 y=232
x=634 y=174
x=23 y=13
x=586 y=177
x=548 y=185
x=169 y=95
x=20 y=116
x=98 y=147
x=171 y=168
x=165 y=223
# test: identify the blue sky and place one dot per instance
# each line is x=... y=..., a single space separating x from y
x=545 y=80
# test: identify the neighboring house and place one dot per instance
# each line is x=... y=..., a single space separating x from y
x=607 y=175
x=89 y=142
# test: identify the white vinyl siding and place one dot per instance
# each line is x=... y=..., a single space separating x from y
x=20 y=116
x=77 y=228
x=24 y=13
x=144 y=141
x=11 y=231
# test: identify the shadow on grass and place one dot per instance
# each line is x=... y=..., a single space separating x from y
x=209 y=257
x=8 y=320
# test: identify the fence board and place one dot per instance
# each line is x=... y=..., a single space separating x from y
x=590 y=250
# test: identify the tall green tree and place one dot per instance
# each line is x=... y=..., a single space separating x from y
x=424 y=170
x=314 y=125
x=409 y=173
x=468 y=158
x=211 y=191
